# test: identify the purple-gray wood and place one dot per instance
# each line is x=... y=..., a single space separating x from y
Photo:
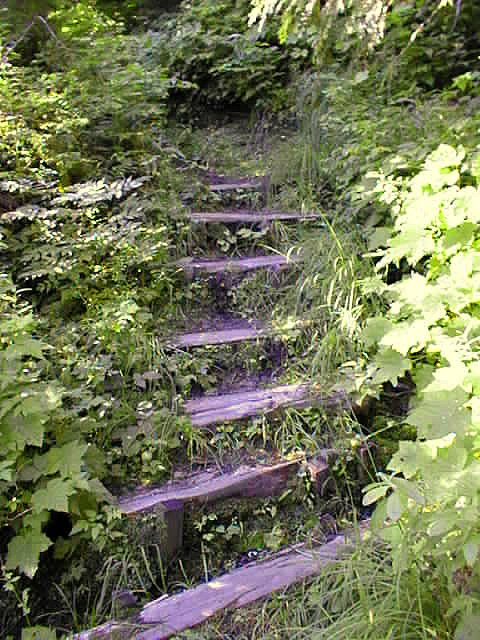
x=210 y=410
x=236 y=265
x=206 y=486
x=244 y=215
x=166 y=616
x=224 y=336
x=253 y=185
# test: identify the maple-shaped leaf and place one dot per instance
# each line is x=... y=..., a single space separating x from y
x=54 y=497
x=413 y=456
x=409 y=244
x=466 y=204
x=24 y=430
x=440 y=413
x=25 y=346
x=406 y=336
x=375 y=329
x=391 y=365
x=25 y=549
x=447 y=378
x=67 y=459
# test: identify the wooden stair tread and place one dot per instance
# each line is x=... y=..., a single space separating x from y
x=210 y=410
x=248 y=480
x=244 y=215
x=167 y=616
x=218 y=183
x=225 y=335
x=237 y=265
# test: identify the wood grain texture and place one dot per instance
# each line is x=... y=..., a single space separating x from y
x=206 y=486
x=252 y=217
x=236 y=265
x=252 y=185
x=169 y=615
x=224 y=336
x=210 y=410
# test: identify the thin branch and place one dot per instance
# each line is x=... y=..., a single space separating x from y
x=38 y=18
x=458 y=9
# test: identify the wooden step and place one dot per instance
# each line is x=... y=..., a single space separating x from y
x=167 y=616
x=247 y=481
x=239 y=333
x=210 y=410
x=220 y=184
x=236 y=265
x=253 y=217
x=233 y=186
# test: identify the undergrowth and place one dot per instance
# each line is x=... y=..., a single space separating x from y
x=105 y=145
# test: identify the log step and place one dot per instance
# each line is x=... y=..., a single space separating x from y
x=222 y=336
x=253 y=217
x=210 y=410
x=167 y=616
x=246 y=481
x=221 y=184
x=236 y=265
x=241 y=184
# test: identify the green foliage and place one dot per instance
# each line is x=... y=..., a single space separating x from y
x=42 y=461
x=421 y=32
x=431 y=331
x=89 y=92
x=210 y=46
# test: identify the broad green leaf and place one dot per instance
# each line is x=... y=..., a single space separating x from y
x=25 y=346
x=475 y=405
x=467 y=204
x=67 y=459
x=410 y=489
x=445 y=156
x=396 y=505
x=407 y=336
x=422 y=376
x=440 y=413
x=54 y=497
x=53 y=396
x=447 y=378
x=410 y=245
x=25 y=549
x=470 y=551
x=461 y=265
x=391 y=365
x=25 y=430
x=38 y=633
x=374 y=494
x=458 y=237
x=473 y=377
x=6 y=470
x=379 y=238
x=374 y=330
x=468 y=628
x=406 y=460
x=442 y=523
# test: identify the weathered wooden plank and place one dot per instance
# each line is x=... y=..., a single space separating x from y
x=224 y=336
x=236 y=265
x=247 y=481
x=253 y=217
x=252 y=185
x=166 y=616
x=211 y=410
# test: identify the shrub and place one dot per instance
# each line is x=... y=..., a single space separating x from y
x=429 y=499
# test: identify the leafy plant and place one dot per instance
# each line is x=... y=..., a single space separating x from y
x=43 y=462
x=429 y=507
